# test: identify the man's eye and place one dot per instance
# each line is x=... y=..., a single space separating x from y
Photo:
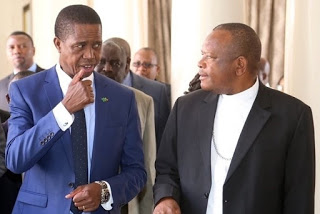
x=79 y=46
x=96 y=45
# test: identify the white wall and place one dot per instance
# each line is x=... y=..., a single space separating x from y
x=10 y=20
x=302 y=74
x=126 y=19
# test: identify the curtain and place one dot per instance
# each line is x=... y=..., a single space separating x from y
x=159 y=35
x=267 y=18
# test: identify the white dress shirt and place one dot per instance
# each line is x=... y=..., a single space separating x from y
x=231 y=114
x=65 y=119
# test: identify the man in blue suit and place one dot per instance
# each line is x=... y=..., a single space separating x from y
x=40 y=139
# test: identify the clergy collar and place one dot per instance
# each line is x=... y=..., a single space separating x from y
x=247 y=94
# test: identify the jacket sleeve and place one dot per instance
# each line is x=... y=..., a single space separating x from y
x=28 y=141
x=167 y=176
x=299 y=187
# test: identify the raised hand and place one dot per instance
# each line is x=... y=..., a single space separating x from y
x=79 y=94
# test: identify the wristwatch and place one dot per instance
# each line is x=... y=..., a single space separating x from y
x=105 y=194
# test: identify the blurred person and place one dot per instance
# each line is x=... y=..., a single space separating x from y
x=194 y=84
x=20 y=52
x=113 y=64
x=264 y=71
x=236 y=146
x=145 y=63
x=155 y=89
x=10 y=182
x=73 y=129
x=280 y=84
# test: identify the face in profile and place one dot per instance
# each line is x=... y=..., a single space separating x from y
x=81 y=49
x=217 y=65
x=113 y=62
x=145 y=64
x=20 y=51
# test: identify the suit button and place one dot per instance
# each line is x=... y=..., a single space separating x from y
x=71 y=185
x=42 y=143
x=51 y=134
x=225 y=201
x=206 y=195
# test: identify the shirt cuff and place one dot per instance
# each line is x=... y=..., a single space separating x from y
x=107 y=205
x=63 y=117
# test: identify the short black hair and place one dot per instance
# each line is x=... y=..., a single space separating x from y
x=16 y=33
x=74 y=14
x=245 y=42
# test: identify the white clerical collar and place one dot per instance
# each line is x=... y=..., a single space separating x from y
x=248 y=94
x=65 y=79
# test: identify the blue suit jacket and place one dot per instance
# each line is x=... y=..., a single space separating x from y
x=158 y=91
x=37 y=146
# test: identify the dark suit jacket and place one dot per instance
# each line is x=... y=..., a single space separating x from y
x=273 y=167
x=36 y=145
x=158 y=92
x=4 y=84
x=9 y=182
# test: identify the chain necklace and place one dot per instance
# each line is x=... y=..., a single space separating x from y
x=217 y=151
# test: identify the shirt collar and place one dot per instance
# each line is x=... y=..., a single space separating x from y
x=248 y=94
x=127 y=80
x=33 y=68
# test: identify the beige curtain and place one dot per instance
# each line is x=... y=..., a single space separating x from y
x=159 y=35
x=267 y=18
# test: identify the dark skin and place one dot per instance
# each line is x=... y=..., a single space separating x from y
x=79 y=54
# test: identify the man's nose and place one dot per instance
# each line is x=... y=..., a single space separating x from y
x=88 y=54
x=107 y=67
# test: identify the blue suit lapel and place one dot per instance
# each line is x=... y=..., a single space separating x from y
x=54 y=96
x=101 y=107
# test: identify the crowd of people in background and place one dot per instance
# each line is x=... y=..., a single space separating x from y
x=96 y=133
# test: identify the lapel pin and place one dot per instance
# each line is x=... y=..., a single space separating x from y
x=104 y=99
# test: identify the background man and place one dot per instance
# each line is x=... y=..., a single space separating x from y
x=113 y=65
x=9 y=182
x=235 y=146
x=145 y=63
x=74 y=170
x=155 y=89
x=20 y=52
x=264 y=71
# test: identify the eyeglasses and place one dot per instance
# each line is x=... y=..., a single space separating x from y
x=145 y=65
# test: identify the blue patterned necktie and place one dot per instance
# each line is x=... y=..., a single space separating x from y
x=79 y=152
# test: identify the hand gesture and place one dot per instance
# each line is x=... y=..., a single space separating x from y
x=86 y=197
x=79 y=94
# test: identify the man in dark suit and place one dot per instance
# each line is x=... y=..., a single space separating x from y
x=20 y=52
x=145 y=64
x=155 y=89
x=9 y=182
x=236 y=146
x=74 y=106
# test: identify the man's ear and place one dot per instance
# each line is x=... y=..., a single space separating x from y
x=57 y=43
x=241 y=65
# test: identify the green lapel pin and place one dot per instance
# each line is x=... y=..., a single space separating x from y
x=104 y=99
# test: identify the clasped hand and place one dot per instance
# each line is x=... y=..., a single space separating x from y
x=79 y=94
